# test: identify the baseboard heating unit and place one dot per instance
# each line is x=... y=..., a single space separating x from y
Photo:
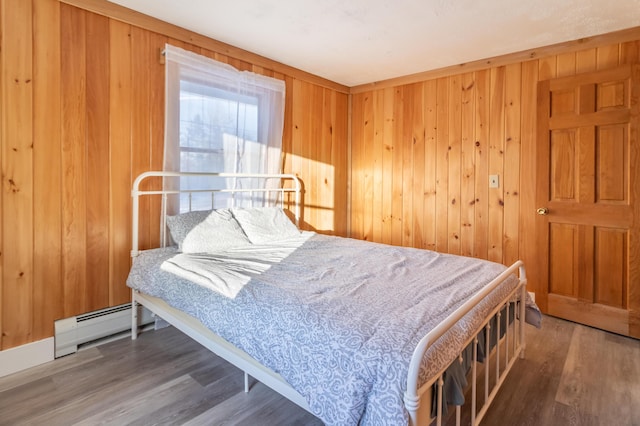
x=96 y=327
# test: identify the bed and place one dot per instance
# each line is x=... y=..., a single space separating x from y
x=346 y=329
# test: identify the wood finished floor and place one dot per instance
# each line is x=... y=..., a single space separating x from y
x=572 y=375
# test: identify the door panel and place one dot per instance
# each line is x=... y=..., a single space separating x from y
x=563 y=244
x=612 y=148
x=612 y=94
x=587 y=180
x=611 y=281
x=563 y=168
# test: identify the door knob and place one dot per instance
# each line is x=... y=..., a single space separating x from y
x=542 y=211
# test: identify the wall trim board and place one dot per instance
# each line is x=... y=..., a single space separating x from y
x=26 y=356
x=622 y=36
x=132 y=17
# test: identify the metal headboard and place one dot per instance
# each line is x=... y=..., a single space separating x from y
x=279 y=192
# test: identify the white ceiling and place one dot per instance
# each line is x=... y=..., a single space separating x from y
x=354 y=42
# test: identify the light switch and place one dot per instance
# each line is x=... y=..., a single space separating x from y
x=494 y=181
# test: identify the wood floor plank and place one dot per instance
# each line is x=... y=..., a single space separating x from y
x=17 y=403
x=259 y=406
x=567 y=415
x=602 y=372
x=183 y=387
x=49 y=369
x=230 y=382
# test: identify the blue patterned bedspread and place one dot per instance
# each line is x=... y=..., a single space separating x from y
x=338 y=318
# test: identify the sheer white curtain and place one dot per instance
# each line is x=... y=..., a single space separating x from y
x=219 y=119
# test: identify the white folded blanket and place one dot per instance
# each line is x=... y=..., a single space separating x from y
x=226 y=272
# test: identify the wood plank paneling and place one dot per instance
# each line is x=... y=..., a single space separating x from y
x=321 y=151
x=74 y=156
x=407 y=165
x=630 y=52
x=156 y=124
x=340 y=163
x=454 y=155
x=294 y=164
x=511 y=170
x=357 y=152
x=566 y=64
x=396 y=168
x=387 y=163
x=304 y=154
x=366 y=174
x=430 y=152
x=17 y=173
x=120 y=97
x=547 y=67
x=378 y=169
x=527 y=235
x=607 y=56
x=496 y=164
x=468 y=173
x=142 y=54
x=418 y=135
x=325 y=173
x=586 y=61
x=97 y=176
x=48 y=297
x=481 y=206
x=442 y=165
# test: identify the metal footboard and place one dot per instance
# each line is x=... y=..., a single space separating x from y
x=509 y=346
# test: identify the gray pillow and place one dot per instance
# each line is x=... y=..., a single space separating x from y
x=180 y=224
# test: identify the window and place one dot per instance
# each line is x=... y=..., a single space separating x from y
x=210 y=121
x=219 y=120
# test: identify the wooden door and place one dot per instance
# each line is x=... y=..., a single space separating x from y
x=588 y=199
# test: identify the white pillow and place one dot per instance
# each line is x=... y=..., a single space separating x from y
x=217 y=231
x=265 y=224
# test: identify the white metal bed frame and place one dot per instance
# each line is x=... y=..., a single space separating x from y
x=417 y=398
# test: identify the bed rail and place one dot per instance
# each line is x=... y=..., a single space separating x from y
x=280 y=191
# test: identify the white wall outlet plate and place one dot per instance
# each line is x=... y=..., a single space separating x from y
x=494 y=181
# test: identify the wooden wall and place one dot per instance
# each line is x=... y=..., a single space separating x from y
x=82 y=113
x=422 y=154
